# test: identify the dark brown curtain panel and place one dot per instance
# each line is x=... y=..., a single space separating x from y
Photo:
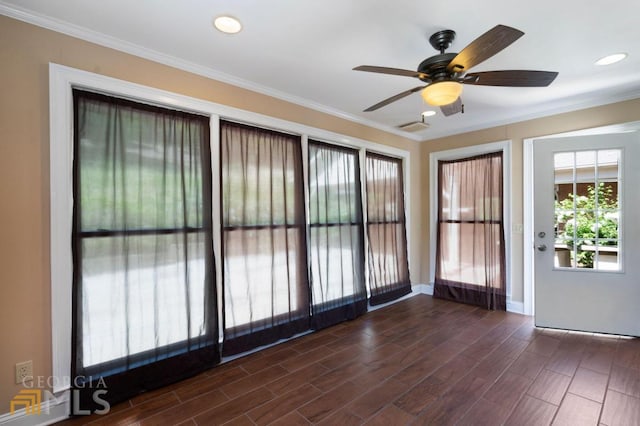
x=336 y=245
x=266 y=292
x=386 y=229
x=144 y=299
x=470 y=254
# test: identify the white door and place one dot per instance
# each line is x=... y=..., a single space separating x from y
x=587 y=233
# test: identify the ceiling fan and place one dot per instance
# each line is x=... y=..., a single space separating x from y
x=444 y=74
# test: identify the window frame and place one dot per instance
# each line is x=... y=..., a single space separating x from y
x=509 y=229
x=321 y=307
x=389 y=291
x=259 y=329
x=62 y=80
x=80 y=236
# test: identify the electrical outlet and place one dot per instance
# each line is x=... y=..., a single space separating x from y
x=24 y=372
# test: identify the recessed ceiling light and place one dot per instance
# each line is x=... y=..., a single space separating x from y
x=227 y=24
x=428 y=113
x=611 y=59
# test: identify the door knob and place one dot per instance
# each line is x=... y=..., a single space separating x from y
x=542 y=247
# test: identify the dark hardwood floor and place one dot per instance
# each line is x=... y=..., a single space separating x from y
x=419 y=361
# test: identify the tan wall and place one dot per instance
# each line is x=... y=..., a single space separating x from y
x=621 y=112
x=25 y=52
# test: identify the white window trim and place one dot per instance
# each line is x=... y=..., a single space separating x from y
x=454 y=154
x=62 y=80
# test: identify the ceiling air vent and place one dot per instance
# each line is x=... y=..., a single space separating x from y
x=414 y=126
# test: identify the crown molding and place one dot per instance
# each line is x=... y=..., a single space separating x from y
x=570 y=105
x=101 y=39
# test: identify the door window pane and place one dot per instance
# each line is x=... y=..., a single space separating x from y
x=587 y=210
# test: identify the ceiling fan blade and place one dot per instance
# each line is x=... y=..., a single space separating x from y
x=453 y=108
x=392 y=71
x=394 y=98
x=484 y=47
x=512 y=78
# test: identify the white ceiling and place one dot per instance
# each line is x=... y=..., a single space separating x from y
x=304 y=51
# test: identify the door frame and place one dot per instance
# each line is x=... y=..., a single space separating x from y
x=527 y=200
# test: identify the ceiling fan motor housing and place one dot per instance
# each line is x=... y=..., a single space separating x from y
x=436 y=67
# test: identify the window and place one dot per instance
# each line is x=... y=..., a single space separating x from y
x=192 y=242
x=336 y=245
x=386 y=231
x=144 y=286
x=470 y=251
x=266 y=293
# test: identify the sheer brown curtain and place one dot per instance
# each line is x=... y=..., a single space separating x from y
x=266 y=292
x=470 y=254
x=336 y=244
x=386 y=229
x=144 y=299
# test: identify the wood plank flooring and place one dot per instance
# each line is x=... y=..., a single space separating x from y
x=419 y=361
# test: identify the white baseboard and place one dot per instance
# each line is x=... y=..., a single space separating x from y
x=415 y=290
x=515 y=307
x=51 y=411
x=512 y=306
x=427 y=289
x=55 y=410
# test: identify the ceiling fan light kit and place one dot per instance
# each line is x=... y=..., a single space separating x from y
x=445 y=73
x=442 y=93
